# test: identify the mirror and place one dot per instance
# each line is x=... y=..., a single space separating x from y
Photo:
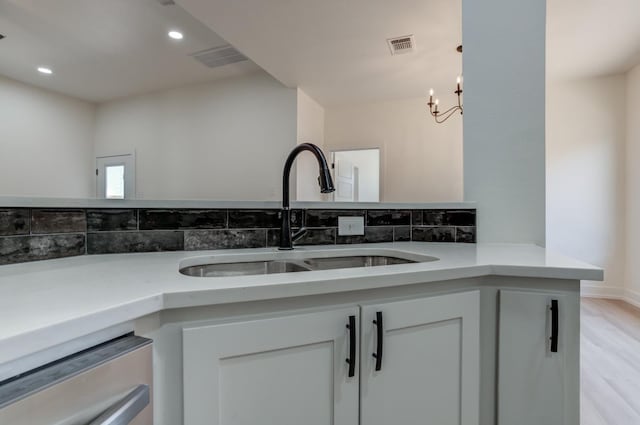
x=184 y=99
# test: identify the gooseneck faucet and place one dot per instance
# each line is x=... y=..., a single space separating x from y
x=326 y=186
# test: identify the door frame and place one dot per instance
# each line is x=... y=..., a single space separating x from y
x=129 y=161
x=380 y=166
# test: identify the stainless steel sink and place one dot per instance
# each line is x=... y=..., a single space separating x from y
x=329 y=263
x=243 y=269
x=291 y=266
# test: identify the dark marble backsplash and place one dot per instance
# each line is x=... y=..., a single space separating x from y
x=30 y=234
x=14 y=221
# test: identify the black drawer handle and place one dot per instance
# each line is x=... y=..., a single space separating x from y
x=380 y=332
x=554 y=326
x=352 y=346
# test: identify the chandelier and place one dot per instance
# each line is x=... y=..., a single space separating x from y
x=442 y=116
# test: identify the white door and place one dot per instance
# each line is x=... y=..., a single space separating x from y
x=345 y=180
x=356 y=175
x=288 y=370
x=535 y=385
x=115 y=177
x=420 y=361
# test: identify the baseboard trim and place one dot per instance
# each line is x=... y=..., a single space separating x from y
x=601 y=291
x=610 y=292
x=632 y=297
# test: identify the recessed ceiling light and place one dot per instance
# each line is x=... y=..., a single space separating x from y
x=45 y=70
x=176 y=35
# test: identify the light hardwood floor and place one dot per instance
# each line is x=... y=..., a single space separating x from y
x=610 y=356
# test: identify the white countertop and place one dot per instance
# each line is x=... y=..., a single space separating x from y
x=30 y=202
x=46 y=303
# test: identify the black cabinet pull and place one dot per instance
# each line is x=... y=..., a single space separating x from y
x=554 y=326
x=351 y=361
x=379 y=327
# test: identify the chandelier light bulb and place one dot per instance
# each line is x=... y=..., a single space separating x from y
x=442 y=115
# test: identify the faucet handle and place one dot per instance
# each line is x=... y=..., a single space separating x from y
x=299 y=234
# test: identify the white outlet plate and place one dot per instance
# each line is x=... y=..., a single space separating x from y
x=350 y=226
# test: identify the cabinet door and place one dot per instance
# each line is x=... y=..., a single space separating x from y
x=429 y=365
x=287 y=370
x=535 y=386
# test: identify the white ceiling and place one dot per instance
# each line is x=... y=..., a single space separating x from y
x=105 y=49
x=592 y=37
x=336 y=50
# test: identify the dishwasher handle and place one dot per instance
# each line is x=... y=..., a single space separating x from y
x=125 y=410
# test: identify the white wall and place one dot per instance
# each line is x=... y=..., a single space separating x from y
x=504 y=69
x=46 y=143
x=633 y=187
x=586 y=174
x=421 y=161
x=310 y=130
x=223 y=140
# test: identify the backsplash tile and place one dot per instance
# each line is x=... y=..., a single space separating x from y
x=449 y=218
x=328 y=218
x=45 y=233
x=244 y=219
x=20 y=249
x=111 y=220
x=182 y=219
x=434 y=234
x=124 y=242
x=416 y=217
x=402 y=234
x=224 y=239
x=466 y=234
x=58 y=221
x=273 y=237
x=461 y=218
x=14 y=221
x=318 y=237
x=388 y=218
x=434 y=218
x=371 y=235
x=248 y=219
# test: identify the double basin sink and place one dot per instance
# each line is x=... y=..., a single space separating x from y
x=298 y=264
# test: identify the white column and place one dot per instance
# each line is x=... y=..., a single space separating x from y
x=504 y=127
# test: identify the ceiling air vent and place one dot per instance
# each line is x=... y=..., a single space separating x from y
x=166 y=2
x=404 y=44
x=219 y=56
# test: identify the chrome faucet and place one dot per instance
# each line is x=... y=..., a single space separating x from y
x=326 y=186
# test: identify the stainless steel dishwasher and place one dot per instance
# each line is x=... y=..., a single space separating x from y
x=109 y=384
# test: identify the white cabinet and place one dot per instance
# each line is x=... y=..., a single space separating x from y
x=426 y=351
x=293 y=369
x=536 y=383
x=286 y=370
